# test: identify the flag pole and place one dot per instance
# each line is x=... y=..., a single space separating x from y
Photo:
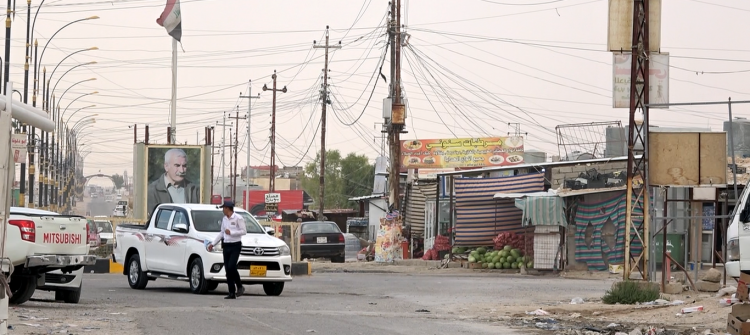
x=173 y=105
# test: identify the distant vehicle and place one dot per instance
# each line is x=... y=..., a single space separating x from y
x=322 y=239
x=105 y=229
x=171 y=246
x=93 y=237
x=94 y=195
x=120 y=211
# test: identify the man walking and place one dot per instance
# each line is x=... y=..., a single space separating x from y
x=232 y=229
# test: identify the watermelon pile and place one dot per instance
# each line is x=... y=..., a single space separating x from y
x=505 y=258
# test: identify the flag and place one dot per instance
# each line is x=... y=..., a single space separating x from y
x=171 y=19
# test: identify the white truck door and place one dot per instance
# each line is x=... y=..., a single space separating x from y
x=155 y=245
x=175 y=247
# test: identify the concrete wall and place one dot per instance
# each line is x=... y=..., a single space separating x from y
x=559 y=174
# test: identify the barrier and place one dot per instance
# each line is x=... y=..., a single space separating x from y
x=289 y=233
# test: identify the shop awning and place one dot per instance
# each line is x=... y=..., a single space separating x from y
x=542 y=211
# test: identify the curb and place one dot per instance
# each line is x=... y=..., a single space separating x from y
x=106 y=265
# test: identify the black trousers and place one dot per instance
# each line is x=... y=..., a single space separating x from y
x=231 y=253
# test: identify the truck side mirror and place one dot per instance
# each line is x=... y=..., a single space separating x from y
x=180 y=228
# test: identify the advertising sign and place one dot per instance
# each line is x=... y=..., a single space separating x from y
x=689 y=159
x=273 y=198
x=431 y=173
x=462 y=152
x=173 y=175
x=19 y=144
x=658 y=79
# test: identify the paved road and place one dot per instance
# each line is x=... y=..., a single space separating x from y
x=98 y=206
x=325 y=303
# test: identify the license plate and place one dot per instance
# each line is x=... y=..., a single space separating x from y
x=322 y=239
x=257 y=271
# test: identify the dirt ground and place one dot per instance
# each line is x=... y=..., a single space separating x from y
x=566 y=318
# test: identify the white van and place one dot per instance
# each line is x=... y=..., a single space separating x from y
x=738 y=238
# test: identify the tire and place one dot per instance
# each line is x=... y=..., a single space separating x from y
x=273 y=289
x=212 y=285
x=136 y=277
x=23 y=288
x=69 y=297
x=198 y=283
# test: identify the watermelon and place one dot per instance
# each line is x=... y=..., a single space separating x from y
x=491 y=265
x=498 y=265
x=515 y=252
x=484 y=265
x=506 y=265
x=530 y=265
x=472 y=259
x=481 y=250
x=514 y=265
x=507 y=248
x=510 y=259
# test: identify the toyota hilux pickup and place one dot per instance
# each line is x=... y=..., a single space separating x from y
x=39 y=242
x=172 y=246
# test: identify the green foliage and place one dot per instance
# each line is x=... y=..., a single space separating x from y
x=630 y=292
x=118 y=180
x=347 y=177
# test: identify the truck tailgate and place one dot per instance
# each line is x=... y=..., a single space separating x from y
x=58 y=234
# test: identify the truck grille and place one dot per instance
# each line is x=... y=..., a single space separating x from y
x=259 y=251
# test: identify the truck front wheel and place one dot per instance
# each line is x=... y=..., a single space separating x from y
x=22 y=288
x=136 y=278
x=198 y=283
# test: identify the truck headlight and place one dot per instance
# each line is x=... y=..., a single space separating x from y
x=284 y=250
x=733 y=249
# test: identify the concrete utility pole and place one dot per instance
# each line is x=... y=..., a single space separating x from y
x=236 y=150
x=223 y=152
x=324 y=102
x=637 y=212
x=272 y=181
x=398 y=112
x=249 y=97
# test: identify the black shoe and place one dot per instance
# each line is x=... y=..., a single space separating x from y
x=231 y=296
x=240 y=290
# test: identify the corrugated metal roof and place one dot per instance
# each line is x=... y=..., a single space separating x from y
x=570 y=193
x=545 y=164
x=367 y=197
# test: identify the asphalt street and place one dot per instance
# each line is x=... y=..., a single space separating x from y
x=324 y=303
x=98 y=206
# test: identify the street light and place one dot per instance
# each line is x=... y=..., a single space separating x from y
x=76 y=111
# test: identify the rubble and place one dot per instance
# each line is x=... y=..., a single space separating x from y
x=707 y=286
x=712 y=276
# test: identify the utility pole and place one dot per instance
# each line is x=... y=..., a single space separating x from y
x=249 y=97
x=637 y=210
x=236 y=150
x=223 y=126
x=397 y=119
x=231 y=172
x=271 y=184
x=324 y=102
x=516 y=129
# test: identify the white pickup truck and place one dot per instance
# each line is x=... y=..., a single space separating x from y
x=39 y=242
x=738 y=237
x=171 y=246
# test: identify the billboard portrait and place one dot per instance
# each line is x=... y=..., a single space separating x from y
x=173 y=175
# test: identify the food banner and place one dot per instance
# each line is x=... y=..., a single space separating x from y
x=388 y=242
x=462 y=152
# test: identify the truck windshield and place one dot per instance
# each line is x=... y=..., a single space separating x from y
x=104 y=225
x=210 y=222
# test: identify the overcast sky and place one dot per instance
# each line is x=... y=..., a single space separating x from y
x=469 y=69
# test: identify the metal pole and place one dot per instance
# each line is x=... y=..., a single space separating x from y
x=249 y=134
x=173 y=106
x=731 y=148
x=223 y=152
x=236 y=151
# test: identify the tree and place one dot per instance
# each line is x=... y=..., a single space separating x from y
x=348 y=177
x=118 y=180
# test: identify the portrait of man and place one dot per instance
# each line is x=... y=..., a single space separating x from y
x=171 y=184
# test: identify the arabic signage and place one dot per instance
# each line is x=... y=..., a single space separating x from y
x=658 y=77
x=18 y=145
x=462 y=152
x=431 y=173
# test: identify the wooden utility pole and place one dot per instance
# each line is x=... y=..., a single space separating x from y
x=324 y=103
x=397 y=119
x=236 y=150
x=271 y=185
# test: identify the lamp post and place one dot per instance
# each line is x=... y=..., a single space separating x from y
x=37 y=64
x=70 y=134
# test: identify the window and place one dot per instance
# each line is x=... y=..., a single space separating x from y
x=106 y=226
x=320 y=228
x=180 y=217
x=162 y=219
x=210 y=222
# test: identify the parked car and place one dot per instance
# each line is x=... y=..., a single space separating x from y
x=120 y=211
x=171 y=246
x=322 y=239
x=93 y=238
x=39 y=242
x=67 y=286
x=105 y=229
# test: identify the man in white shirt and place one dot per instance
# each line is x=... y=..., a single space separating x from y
x=232 y=229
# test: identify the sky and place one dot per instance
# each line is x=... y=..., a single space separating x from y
x=469 y=69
